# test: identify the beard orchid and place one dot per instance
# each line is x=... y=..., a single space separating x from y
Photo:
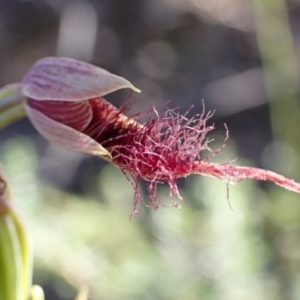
x=63 y=98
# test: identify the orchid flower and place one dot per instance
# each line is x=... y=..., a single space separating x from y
x=63 y=98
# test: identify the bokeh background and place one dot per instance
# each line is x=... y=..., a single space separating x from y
x=242 y=57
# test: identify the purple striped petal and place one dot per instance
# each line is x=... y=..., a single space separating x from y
x=77 y=115
x=66 y=79
x=64 y=136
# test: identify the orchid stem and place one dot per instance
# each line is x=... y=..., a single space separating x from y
x=11 y=105
x=15 y=251
x=11 y=115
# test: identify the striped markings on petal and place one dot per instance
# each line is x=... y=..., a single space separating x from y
x=66 y=79
x=77 y=115
x=64 y=136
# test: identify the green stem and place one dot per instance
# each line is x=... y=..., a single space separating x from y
x=10 y=260
x=25 y=252
x=11 y=115
x=15 y=252
x=10 y=95
x=11 y=104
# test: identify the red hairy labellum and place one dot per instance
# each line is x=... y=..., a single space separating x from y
x=163 y=149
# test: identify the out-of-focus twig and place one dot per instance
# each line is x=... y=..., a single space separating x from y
x=280 y=68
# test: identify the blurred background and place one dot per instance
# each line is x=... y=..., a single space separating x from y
x=242 y=57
